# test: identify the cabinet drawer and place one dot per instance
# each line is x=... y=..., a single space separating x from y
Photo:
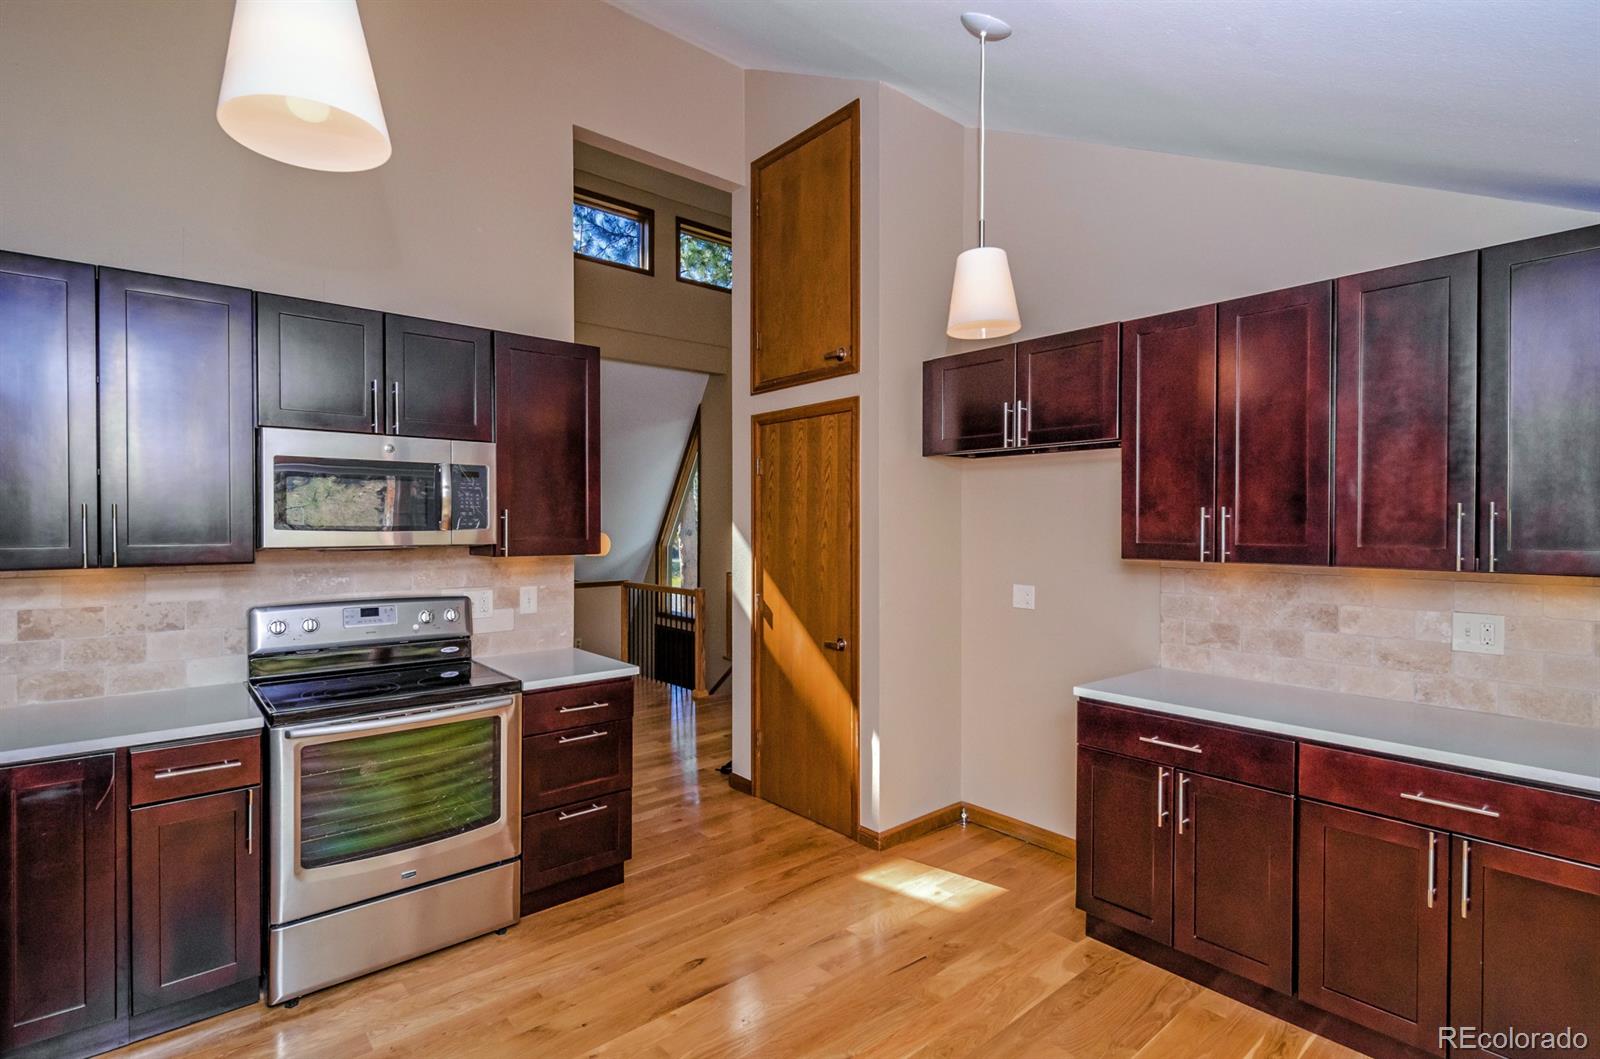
x=1563 y=825
x=577 y=839
x=1228 y=753
x=559 y=767
x=183 y=770
x=558 y=708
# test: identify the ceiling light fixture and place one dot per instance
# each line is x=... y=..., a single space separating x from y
x=298 y=85
x=983 y=304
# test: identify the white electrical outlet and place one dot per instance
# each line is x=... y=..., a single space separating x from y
x=1479 y=633
x=482 y=602
x=528 y=600
x=1022 y=597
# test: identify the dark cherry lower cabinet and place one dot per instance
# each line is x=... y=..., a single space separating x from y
x=1124 y=843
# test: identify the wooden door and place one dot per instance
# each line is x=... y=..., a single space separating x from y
x=1233 y=878
x=1524 y=945
x=1125 y=842
x=1374 y=922
x=1169 y=418
x=440 y=379
x=1540 y=425
x=1068 y=388
x=1405 y=451
x=968 y=401
x=547 y=457
x=196 y=896
x=59 y=880
x=1274 y=375
x=319 y=366
x=805 y=295
x=806 y=570
x=177 y=422
x=49 y=496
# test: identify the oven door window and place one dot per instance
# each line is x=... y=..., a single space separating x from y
x=376 y=794
x=356 y=496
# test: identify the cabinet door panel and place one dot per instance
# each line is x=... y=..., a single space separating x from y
x=1373 y=936
x=968 y=400
x=319 y=366
x=1068 y=384
x=1125 y=842
x=1541 y=405
x=1274 y=362
x=58 y=895
x=1406 y=436
x=439 y=378
x=1523 y=946
x=1169 y=391
x=177 y=421
x=49 y=497
x=1233 y=897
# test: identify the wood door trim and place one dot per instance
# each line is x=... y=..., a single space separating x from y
x=851 y=113
x=852 y=405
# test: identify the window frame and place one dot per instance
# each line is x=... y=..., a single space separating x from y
x=680 y=487
x=705 y=231
x=643 y=214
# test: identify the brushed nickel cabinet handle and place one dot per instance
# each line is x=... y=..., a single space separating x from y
x=194 y=770
x=1005 y=425
x=580 y=709
x=596 y=734
x=837 y=644
x=1161 y=797
x=1425 y=800
x=1204 y=516
x=1156 y=741
x=1466 y=877
x=376 y=428
x=583 y=812
x=394 y=394
x=1022 y=431
x=83 y=532
x=505 y=531
x=250 y=822
x=1461 y=514
x=1183 y=781
x=1494 y=514
x=1433 y=871
x=116 y=560
x=1222 y=527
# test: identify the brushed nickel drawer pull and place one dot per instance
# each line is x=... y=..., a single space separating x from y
x=583 y=812
x=580 y=709
x=192 y=770
x=1425 y=800
x=596 y=734
x=1154 y=741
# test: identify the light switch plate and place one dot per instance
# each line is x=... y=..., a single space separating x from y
x=1478 y=633
x=1022 y=597
x=528 y=600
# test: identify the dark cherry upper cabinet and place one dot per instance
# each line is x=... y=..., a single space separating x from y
x=547 y=447
x=440 y=379
x=1233 y=878
x=1524 y=934
x=1169 y=408
x=60 y=886
x=967 y=401
x=1125 y=842
x=1539 y=501
x=1067 y=385
x=1274 y=372
x=49 y=497
x=177 y=421
x=1405 y=452
x=1374 y=934
x=319 y=366
x=196 y=896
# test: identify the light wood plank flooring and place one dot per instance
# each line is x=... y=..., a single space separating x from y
x=743 y=930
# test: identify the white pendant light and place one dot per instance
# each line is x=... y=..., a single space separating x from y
x=983 y=304
x=298 y=85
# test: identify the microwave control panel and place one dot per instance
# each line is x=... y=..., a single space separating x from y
x=469 y=496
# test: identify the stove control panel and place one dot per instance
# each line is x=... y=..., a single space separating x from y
x=368 y=615
x=345 y=622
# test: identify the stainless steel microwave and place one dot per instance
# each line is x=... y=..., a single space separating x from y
x=321 y=489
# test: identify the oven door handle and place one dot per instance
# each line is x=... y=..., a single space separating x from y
x=397 y=720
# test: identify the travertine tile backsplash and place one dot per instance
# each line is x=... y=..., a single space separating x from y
x=1388 y=635
x=81 y=633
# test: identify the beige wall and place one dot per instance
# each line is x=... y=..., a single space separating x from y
x=597 y=619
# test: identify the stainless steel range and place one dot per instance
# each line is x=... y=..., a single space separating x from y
x=395 y=788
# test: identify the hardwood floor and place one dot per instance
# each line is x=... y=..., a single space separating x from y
x=743 y=930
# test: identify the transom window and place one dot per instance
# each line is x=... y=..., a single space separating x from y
x=611 y=231
x=705 y=255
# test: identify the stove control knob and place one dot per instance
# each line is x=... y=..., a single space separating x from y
x=424 y=616
x=278 y=627
x=309 y=625
x=451 y=615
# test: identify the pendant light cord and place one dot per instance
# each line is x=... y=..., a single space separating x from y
x=983 y=79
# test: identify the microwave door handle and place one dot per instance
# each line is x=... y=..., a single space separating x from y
x=444 y=496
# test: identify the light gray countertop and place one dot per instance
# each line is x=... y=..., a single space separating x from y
x=43 y=730
x=1559 y=754
x=559 y=667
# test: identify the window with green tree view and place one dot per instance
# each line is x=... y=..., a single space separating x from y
x=705 y=255
x=611 y=231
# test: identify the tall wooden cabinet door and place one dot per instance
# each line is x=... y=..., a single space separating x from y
x=59 y=880
x=1524 y=945
x=177 y=421
x=1068 y=388
x=49 y=497
x=196 y=896
x=1405 y=436
x=805 y=295
x=319 y=366
x=1274 y=375
x=1233 y=878
x=439 y=378
x=548 y=453
x=1374 y=922
x=1125 y=827
x=969 y=401
x=1169 y=421
x=1540 y=452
